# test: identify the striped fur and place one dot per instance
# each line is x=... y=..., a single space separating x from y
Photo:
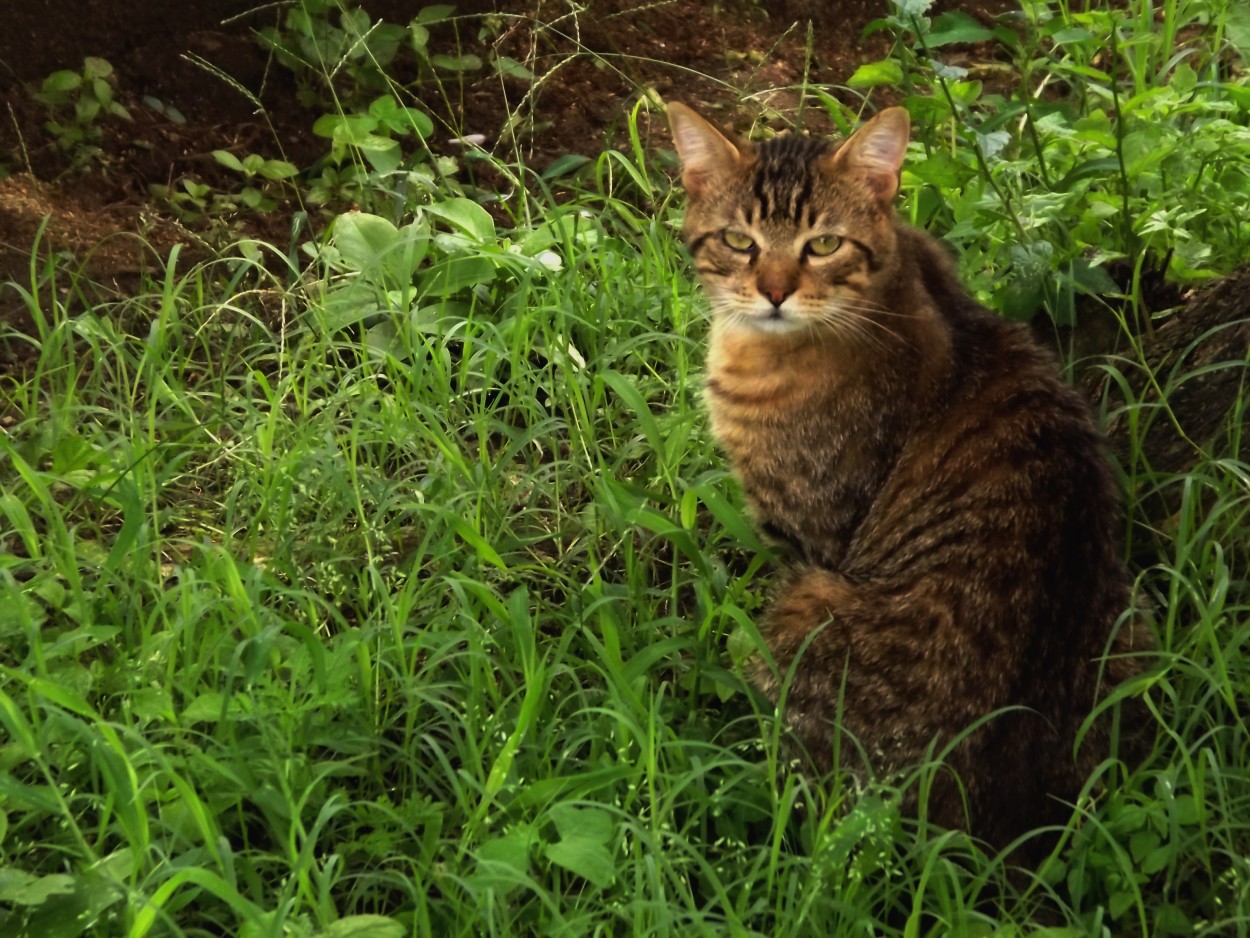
x=953 y=521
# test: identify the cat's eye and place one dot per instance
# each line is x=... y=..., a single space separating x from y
x=823 y=246
x=737 y=240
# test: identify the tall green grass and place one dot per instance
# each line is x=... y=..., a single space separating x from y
x=337 y=606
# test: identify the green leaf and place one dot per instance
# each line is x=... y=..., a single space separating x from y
x=1237 y=28
x=386 y=111
x=1084 y=71
x=1070 y=34
x=228 y=160
x=1024 y=291
x=1141 y=843
x=386 y=255
x=41 y=798
x=278 y=169
x=731 y=517
x=1187 y=810
x=134 y=519
x=345 y=128
x=365 y=926
x=475 y=540
x=993 y=142
x=909 y=8
x=466 y=215
x=1008 y=37
x=209 y=708
x=1119 y=903
x=384 y=337
x=565 y=164
x=61 y=82
x=571 y=820
x=885 y=72
x=1156 y=860
x=1172 y=920
x=86 y=110
x=19 y=521
x=512 y=68
x=67 y=912
x=364 y=240
x=22 y=888
x=456 y=63
x=62 y=696
x=740 y=645
x=589 y=860
x=383 y=154
x=382 y=40
x=503 y=863
x=451 y=275
x=409 y=251
x=434 y=14
x=942 y=170
x=1184 y=79
x=349 y=305
x=102 y=90
x=1093 y=279
x=1096 y=168
x=585 y=835
x=374 y=143
x=94 y=67
x=956 y=27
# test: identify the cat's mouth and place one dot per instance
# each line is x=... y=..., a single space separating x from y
x=773 y=321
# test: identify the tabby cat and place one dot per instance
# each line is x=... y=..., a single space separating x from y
x=944 y=493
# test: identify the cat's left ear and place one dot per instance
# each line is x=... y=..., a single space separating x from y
x=877 y=150
x=705 y=152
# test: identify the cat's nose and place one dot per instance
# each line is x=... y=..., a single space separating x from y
x=775 y=294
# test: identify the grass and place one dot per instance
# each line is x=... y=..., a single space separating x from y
x=335 y=605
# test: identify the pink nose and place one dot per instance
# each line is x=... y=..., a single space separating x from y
x=775 y=295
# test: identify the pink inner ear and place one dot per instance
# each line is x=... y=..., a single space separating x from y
x=696 y=181
x=877 y=150
x=883 y=185
x=704 y=151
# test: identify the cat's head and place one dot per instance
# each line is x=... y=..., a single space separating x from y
x=795 y=233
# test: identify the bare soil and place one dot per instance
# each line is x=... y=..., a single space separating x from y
x=732 y=59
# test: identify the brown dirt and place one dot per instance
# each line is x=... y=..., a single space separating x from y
x=733 y=59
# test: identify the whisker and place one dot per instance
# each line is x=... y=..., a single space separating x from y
x=841 y=313
x=867 y=306
x=850 y=322
x=853 y=328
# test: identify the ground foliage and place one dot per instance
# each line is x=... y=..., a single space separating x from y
x=387 y=581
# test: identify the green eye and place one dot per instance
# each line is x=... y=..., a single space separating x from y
x=823 y=246
x=737 y=240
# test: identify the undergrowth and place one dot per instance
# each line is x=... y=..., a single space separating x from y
x=394 y=586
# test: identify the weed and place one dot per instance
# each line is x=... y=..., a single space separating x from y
x=78 y=102
x=400 y=592
x=1118 y=142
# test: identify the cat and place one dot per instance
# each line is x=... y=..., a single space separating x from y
x=945 y=495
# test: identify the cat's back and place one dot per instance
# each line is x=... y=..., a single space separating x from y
x=1002 y=498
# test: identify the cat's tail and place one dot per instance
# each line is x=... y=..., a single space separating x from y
x=797 y=671
x=857 y=659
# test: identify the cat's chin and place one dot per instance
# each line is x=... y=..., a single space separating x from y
x=769 y=324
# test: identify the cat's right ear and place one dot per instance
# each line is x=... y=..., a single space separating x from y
x=877 y=151
x=705 y=152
